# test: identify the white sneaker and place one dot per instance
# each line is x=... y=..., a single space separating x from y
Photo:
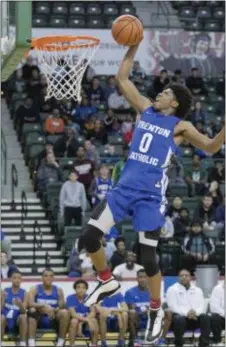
x=154 y=326
x=102 y=290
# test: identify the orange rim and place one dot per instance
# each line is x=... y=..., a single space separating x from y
x=50 y=43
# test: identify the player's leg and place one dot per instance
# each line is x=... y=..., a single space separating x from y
x=63 y=318
x=100 y=223
x=22 y=325
x=123 y=326
x=73 y=329
x=133 y=324
x=33 y=317
x=3 y=326
x=148 y=242
x=94 y=331
x=103 y=327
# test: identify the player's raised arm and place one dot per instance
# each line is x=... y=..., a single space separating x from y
x=190 y=133
x=128 y=89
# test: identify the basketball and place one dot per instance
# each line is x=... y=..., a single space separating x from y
x=127 y=30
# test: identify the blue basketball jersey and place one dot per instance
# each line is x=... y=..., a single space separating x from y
x=72 y=301
x=47 y=299
x=102 y=187
x=10 y=310
x=151 y=150
x=137 y=297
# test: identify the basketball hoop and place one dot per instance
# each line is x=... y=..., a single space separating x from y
x=63 y=60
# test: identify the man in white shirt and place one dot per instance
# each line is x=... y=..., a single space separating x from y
x=187 y=304
x=217 y=311
x=128 y=269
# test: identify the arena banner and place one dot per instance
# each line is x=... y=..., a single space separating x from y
x=171 y=49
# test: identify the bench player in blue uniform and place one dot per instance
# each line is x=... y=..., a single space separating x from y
x=14 y=306
x=47 y=309
x=141 y=189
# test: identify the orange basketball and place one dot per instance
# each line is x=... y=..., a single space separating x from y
x=127 y=30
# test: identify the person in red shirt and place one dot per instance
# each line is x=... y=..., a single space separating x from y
x=85 y=168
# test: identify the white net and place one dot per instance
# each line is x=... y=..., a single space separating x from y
x=64 y=64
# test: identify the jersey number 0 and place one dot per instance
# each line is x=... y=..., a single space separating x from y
x=145 y=142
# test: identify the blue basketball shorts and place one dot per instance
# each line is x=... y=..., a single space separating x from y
x=11 y=323
x=147 y=211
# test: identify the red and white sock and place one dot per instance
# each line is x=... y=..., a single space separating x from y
x=105 y=275
x=155 y=304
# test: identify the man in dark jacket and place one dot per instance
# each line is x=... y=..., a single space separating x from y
x=48 y=172
x=66 y=145
x=27 y=113
x=119 y=255
x=198 y=248
x=181 y=225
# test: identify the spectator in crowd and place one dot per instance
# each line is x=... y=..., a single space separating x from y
x=110 y=87
x=5 y=244
x=187 y=304
x=7 y=269
x=91 y=153
x=47 y=309
x=119 y=255
x=100 y=185
x=48 y=172
x=219 y=220
x=120 y=165
x=195 y=177
x=127 y=124
x=72 y=200
x=198 y=114
x=74 y=262
x=109 y=248
x=182 y=225
x=217 y=310
x=137 y=73
x=34 y=86
x=54 y=124
x=29 y=65
x=88 y=74
x=206 y=211
x=217 y=173
x=160 y=82
x=167 y=231
x=111 y=122
x=85 y=168
x=83 y=321
x=43 y=154
x=26 y=113
x=174 y=210
x=98 y=133
x=175 y=171
x=128 y=269
x=83 y=111
x=14 y=302
x=177 y=78
x=220 y=86
x=17 y=82
x=89 y=125
x=195 y=83
x=113 y=316
x=215 y=192
x=67 y=144
x=198 y=248
x=96 y=93
x=137 y=298
x=117 y=101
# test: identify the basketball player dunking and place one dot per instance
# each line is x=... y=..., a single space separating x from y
x=141 y=189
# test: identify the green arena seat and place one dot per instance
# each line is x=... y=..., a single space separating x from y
x=176 y=189
x=115 y=140
x=66 y=162
x=32 y=140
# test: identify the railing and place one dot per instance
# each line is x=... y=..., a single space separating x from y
x=14 y=183
x=4 y=156
x=37 y=244
x=24 y=210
